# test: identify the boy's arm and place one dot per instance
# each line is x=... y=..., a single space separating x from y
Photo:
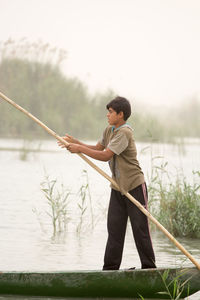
x=70 y=139
x=98 y=146
x=103 y=155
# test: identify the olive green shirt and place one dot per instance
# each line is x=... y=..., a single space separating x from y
x=124 y=165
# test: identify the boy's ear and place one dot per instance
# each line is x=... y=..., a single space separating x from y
x=121 y=114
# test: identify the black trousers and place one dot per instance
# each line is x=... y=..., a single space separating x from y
x=120 y=208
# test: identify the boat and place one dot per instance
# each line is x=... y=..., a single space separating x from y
x=138 y=283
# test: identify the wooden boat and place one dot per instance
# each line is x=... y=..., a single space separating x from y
x=148 y=283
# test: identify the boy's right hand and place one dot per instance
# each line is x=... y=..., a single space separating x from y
x=68 y=138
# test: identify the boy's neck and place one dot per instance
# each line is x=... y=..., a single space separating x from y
x=120 y=123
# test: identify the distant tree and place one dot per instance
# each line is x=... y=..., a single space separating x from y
x=30 y=74
x=29 y=77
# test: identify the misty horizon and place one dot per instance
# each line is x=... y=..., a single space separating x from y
x=144 y=50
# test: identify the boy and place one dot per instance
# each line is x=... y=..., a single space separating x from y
x=118 y=147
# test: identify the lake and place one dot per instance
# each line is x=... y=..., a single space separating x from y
x=26 y=231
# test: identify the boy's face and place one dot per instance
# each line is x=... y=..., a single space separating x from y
x=114 y=118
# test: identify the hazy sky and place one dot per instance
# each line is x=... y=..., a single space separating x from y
x=147 y=50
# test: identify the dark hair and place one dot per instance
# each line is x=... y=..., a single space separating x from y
x=120 y=104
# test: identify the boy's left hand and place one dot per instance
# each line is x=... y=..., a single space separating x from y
x=73 y=148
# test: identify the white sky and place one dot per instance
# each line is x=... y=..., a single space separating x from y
x=147 y=50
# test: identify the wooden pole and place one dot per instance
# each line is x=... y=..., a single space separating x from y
x=129 y=196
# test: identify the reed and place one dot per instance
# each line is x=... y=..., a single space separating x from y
x=85 y=203
x=24 y=151
x=176 y=204
x=62 y=209
x=58 y=203
x=27 y=148
x=82 y=207
x=174 y=288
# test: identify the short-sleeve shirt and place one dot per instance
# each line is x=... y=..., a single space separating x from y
x=124 y=165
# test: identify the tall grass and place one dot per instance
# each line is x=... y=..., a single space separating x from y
x=63 y=210
x=85 y=205
x=175 y=287
x=176 y=204
x=58 y=203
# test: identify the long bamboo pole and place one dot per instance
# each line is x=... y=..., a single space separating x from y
x=129 y=196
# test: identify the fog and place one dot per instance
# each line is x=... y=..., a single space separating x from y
x=146 y=50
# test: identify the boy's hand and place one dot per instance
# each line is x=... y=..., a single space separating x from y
x=61 y=144
x=68 y=138
x=73 y=148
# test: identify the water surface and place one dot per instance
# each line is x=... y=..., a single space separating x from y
x=26 y=230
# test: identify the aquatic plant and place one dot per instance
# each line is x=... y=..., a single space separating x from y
x=85 y=200
x=175 y=204
x=24 y=151
x=58 y=202
x=62 y=212
x=27 y=148
x=174 y=288
x=82 y=207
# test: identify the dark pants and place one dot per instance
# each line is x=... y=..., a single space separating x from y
x=120 y=208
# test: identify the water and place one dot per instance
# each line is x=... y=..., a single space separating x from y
x=25 y=227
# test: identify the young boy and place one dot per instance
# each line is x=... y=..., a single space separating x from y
x=118 y=147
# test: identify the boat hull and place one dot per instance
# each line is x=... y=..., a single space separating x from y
x=114 y=284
